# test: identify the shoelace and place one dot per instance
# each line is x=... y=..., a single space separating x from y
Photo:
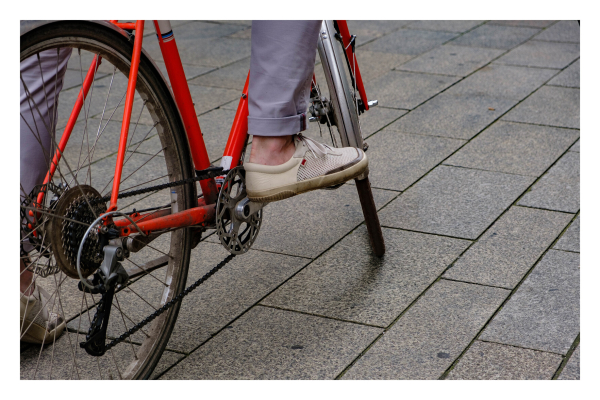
x=318 y=149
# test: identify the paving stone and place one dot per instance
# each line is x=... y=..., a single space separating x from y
x=571 y=370
x=376 y=118
x=576 y=146
x=452 y=201
x=232 y=76
x=243 y=34
x=191 y=71
x=570 y=239
x=543 y=314
x=569 y=77
x=536 y=53
x=81 y=63
x=459 y=116
x=562 y=31
x=215 y=126
x=413 y=155
x=167 y=359
x=451 y=60
x=515 y=148
x=227 y=294
x=448 y=26
x=527 y=23
x=415 y=88
x=487 y=361
x=366 y=31
x=409 y=41
x=349 y=283
x=509 y=248
x=335 y=212
x=425 y=341
x=201 y=51
x=558 y=189
x=550 y=105
x=495 y=36
x=373 y=64
x=72 y=79
x=266 y=343
x=503 y=81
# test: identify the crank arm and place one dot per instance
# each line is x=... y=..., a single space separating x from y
x=245 y=208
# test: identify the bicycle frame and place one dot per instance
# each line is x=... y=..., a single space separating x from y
x=204 y=213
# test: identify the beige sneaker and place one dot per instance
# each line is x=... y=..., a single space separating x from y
x=313 y=166
x=38 y=324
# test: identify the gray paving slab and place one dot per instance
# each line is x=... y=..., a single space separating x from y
x=509 y=248
x=243 y=34
x=215 y=126
x=459 y=116
x=576 y=146
x=527 y=23
x=569 y=241
x=167 y=359
x=571 y=370
x=350 y=284
x=448 y=26
x=73 y=79
x=335 y=212
x=373 y=64
x=409 y=41
x=413 y=155
x=505 y=81
x=406 y=90
x=562 y=31
x=543 y=314
x=431 y=334
x=569 y=77
x=453 y=201
x=550 y=105
x=266 y=343
x=232 y=76
x=451 y=60
x=492 y=361
x=537 y=53
x=495 y=36
x=366 y=31
x=191 y=71
x=80 y=61
x=208 y=52
x=558 y=189
x=228 y=293
x=515 y=148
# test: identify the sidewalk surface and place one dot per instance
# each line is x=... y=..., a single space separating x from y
x=474 y=164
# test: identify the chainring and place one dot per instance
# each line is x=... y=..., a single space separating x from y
x=77 y=208
x=236 y=235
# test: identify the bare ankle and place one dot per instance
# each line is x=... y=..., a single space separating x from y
x=272 y=150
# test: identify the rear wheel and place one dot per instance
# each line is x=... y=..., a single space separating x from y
x=157 y=152
x=341 y=110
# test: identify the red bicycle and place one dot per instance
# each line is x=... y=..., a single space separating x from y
x=112 y=226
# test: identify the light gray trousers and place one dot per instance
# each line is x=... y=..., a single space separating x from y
x=281 y=67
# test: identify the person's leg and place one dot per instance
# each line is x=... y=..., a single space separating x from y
x=39 y=101
x=282 y=163
x=281 y=69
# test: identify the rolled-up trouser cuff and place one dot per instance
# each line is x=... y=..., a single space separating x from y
x=277 y=126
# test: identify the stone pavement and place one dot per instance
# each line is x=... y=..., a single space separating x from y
x=474 y=164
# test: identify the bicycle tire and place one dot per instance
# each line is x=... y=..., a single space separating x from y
x=137 y=357
x=345 y=113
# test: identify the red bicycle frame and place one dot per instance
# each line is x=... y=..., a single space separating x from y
x=204 y=213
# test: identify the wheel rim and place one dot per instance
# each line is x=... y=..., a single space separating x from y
x=89 y=159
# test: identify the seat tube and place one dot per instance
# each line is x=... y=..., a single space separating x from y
x=239 y=133
x=183 y=98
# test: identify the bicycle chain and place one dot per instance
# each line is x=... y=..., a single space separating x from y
x=211 y=172
x=168 y=305
x=208 y=173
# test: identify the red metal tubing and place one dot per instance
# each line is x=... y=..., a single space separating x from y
x=87 y=83
x=183 y=98
x=133 y=72
x=239 y=132
x=194 y=216
x=142 y=217
x=345 y=33
x=123 y=25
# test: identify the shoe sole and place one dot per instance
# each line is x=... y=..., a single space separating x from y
x=323 y=181
x=38 y=335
